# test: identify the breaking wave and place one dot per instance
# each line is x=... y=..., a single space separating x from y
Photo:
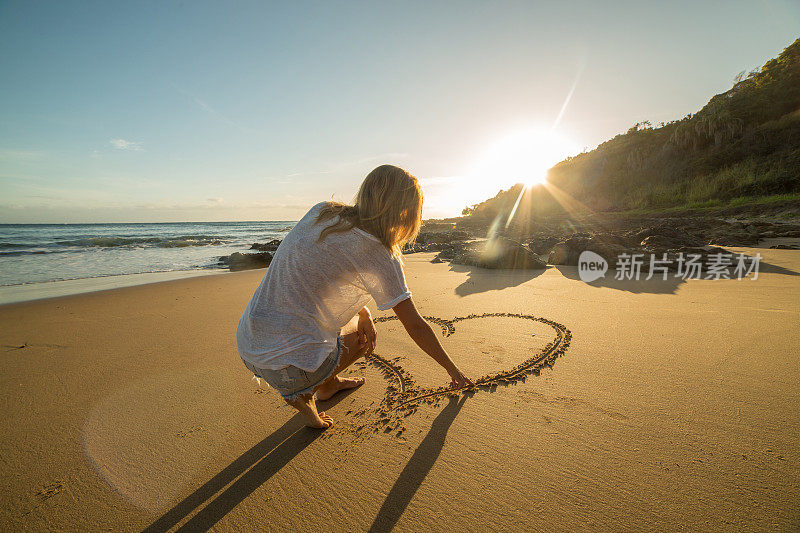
x=23 y=252
x=16 y=245
x=160 y=242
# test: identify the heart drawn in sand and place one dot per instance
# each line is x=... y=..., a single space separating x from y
x=403 y=395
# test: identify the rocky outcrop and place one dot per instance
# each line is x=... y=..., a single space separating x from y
x=239 y=261
x=661 y=248
x=655 y=236
x=542 y=244
x=442 y=237
x=438 y=241
x=499 y=253
x=270 y=246
x=567 y=251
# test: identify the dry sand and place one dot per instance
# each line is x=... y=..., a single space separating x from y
x=676 y=406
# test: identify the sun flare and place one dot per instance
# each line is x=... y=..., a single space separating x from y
x=523 y=157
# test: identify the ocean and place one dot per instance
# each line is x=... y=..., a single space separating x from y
x=39 y=253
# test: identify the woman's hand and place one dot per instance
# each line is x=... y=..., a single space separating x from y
x=420 y=331
x=367 y=335
x=460 y=381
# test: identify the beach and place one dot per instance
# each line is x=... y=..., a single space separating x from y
x=675 y=406
x=42 y=260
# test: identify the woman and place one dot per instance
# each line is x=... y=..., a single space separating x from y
x=307 y=321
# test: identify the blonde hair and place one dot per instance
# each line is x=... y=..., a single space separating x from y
x=388 y=205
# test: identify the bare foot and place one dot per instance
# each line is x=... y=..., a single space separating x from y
x=322 y=421
x=332 y=386
x=308 y=408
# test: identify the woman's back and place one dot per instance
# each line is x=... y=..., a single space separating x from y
x=312 y=288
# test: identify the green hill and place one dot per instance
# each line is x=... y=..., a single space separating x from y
x=743 y=146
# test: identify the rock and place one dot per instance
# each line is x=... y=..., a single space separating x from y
x=567 y=252
x=653 y=242
x=499 y=253
x=671 y=229
x=792 y=232
x=270 y=246
x=446 y=242
x=239 y=261
x=416 y=248
x=543 y=245
x=669 y=233
x=733 y=238
x=784 y=247
x=442 y=237
x=447 y=253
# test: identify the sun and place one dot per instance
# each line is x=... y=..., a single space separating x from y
x=523 y=156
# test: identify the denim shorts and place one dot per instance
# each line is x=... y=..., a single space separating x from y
x=291 y=381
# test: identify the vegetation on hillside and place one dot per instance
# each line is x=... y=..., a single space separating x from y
x=745 y=143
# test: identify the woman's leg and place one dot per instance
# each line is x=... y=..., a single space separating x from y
x=308 y=408
x=351 y=352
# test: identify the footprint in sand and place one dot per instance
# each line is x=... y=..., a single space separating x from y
x=50 y=490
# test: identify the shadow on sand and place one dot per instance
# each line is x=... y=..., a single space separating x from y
x=656 y=285
x=255 y=466
x=483 y=280
x=417 y=468
x=640 y=286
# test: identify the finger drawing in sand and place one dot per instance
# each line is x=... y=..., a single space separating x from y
x=308 y=320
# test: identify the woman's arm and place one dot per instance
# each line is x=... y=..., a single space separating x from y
x=421 y=333
x=367 y=335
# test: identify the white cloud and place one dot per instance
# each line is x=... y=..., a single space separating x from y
x=215 y=200
x=122 y=144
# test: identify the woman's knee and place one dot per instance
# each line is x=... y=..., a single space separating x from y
x=351 y=327
x=351 y=352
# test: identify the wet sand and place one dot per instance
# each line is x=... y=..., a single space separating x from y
x=674 y=405
x=50 y=289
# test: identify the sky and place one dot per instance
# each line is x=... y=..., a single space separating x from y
x=212 y=111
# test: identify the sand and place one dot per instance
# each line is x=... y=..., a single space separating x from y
x=675 y=405
x=50 y=289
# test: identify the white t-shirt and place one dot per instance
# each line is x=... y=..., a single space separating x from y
x=311 y=290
